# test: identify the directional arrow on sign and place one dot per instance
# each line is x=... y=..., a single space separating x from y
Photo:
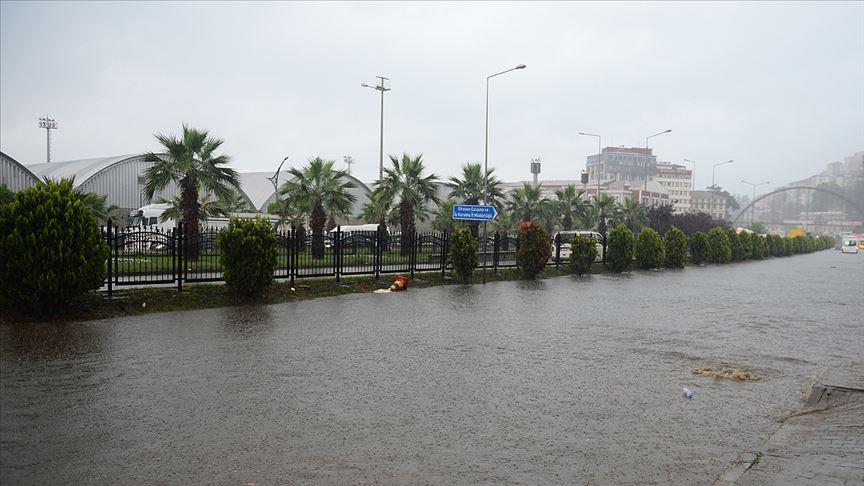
x=474 y=212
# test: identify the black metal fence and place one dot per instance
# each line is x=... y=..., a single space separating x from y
x=146 y=256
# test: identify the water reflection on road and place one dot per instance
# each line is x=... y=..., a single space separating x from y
x=567 y=380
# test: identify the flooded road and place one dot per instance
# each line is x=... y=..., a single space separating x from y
x=562 y=381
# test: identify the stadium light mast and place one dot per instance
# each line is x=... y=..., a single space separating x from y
x=48 y=124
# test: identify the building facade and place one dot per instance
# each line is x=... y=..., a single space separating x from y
x=678 y=180
x=624 y=164
x=711 y=202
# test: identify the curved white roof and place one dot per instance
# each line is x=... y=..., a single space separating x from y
x=259 y=189
x=82 y=169
x=14 y=174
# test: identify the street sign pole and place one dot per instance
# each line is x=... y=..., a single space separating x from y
x=476 y=212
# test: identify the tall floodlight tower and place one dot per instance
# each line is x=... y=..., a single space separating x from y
x=383 y=87
x=48 y=124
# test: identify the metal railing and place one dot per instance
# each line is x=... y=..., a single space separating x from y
x=147 y=256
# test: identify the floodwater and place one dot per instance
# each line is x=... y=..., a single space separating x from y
x=561 y=381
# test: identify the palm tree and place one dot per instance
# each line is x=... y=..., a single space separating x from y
x=444 y=216
x=504 y=225
x=526 y=202
x=469 y=189
x=320 y=190
x=605 y=209
x=191 y=163
x=548 y=215
x=405 y=181
x=290 y=214
x=633 y=215
x=570 y=203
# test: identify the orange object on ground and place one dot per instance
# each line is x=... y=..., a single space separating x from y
x=401 y=283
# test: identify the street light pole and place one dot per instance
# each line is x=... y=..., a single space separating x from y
x=382 y=89
x=753 y=198
x=693 y=188
x=486 y=161
x=713 y=187
x=648 y=158
x=48 y=124
x=599 y=150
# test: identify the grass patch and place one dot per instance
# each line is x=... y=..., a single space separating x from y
x=145 y=300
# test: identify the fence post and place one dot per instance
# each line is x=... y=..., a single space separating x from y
x=181 y=267
x=337 y=256
x=292 y=251
x=412 y=257
x=377 y=260
x=111 y=251
x=443 y=254
x=496 y=251
x=557 y=250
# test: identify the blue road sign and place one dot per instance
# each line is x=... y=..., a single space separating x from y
x=471 y=212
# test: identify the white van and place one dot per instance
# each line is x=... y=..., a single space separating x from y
x=850 y=246
x=567 y=237
x=148 y=217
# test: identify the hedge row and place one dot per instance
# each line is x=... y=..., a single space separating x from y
x=649 y=251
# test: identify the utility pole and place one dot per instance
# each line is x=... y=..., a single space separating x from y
x=348 y=161
x=48 y=124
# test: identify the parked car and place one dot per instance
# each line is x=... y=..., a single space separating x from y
x=567 y=236
x=850 y=246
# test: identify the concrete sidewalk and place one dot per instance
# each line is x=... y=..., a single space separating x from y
x=821 y=444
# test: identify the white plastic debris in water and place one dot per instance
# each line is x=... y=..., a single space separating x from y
x=687 y=393
x=292 y=289
x=381 y=291
x=143 y=304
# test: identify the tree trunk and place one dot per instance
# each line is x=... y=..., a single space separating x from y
x=317 y=223
x=190 y=210
x=383 y=237
x=568 y=222
x=406 y=220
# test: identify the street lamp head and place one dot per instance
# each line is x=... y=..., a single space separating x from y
x=668 y=130
x=365 y=85
x=521 y=66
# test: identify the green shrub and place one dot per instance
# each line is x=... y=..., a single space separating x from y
x=798 y=245
x=775 y=245
x=734 y=245
x=51 y=251
x=534 y=251
x=649 y=252
x=698 y=247
x=620 y=253
x=788 y=246
x=583 y=252
x=719 y=250
x=248 y=255
x=745 y=245
x=675 y=243
x=463 y=252
x=758 y=246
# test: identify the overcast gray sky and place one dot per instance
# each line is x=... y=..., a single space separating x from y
x=779 y=87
